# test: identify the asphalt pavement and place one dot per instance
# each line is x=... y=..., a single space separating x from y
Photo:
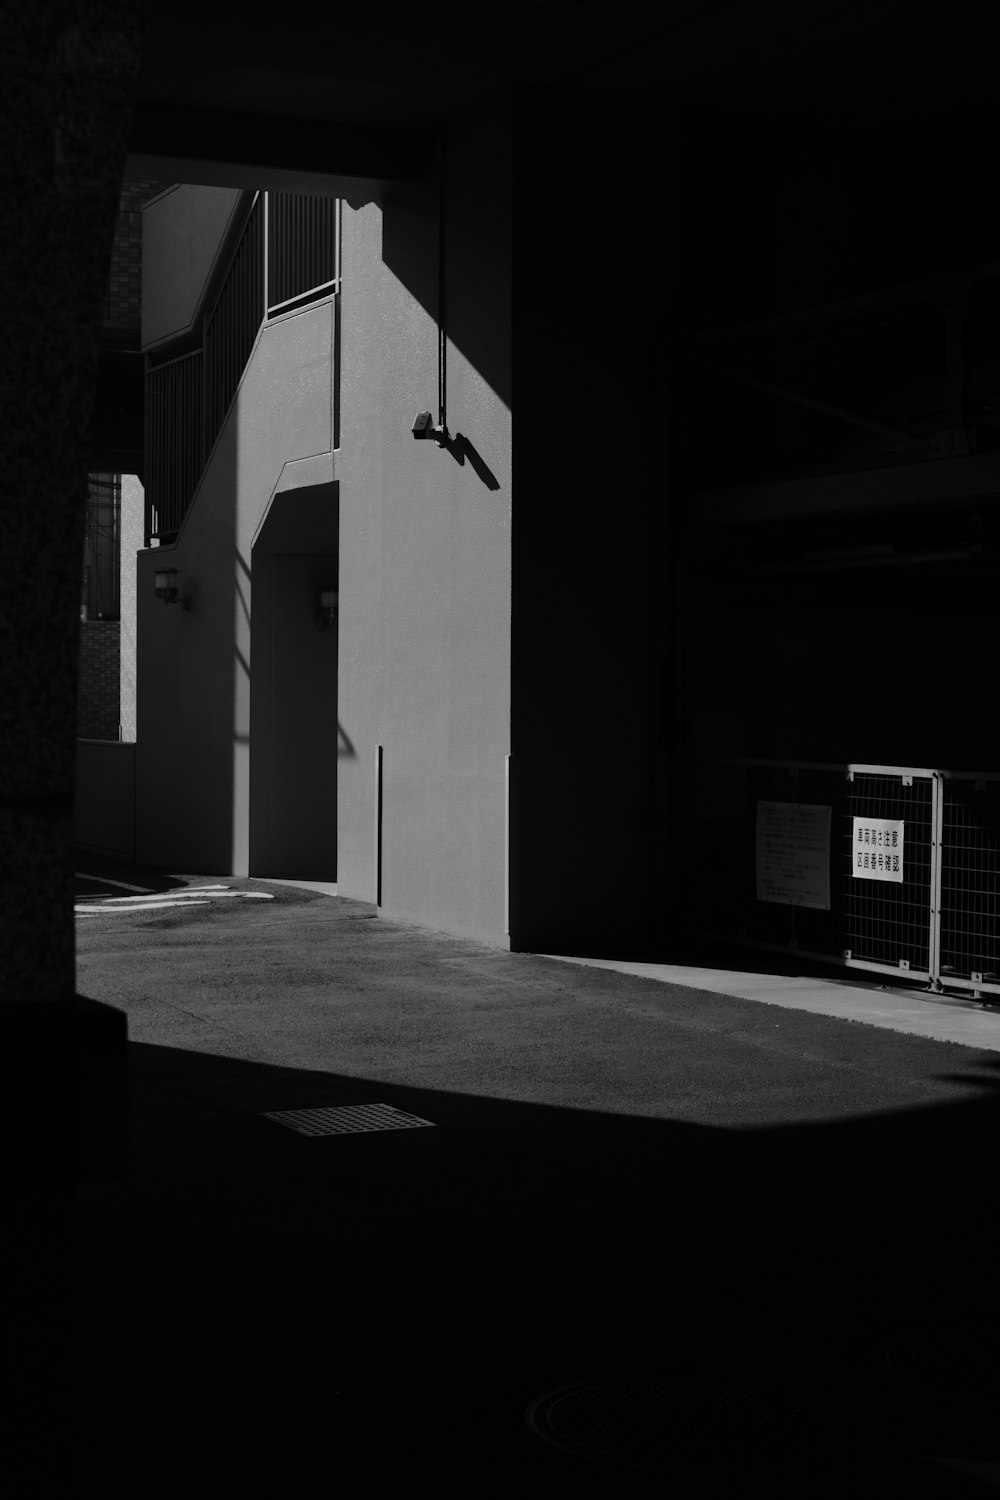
x=614 y=1235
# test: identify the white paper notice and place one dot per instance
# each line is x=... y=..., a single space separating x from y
x=793 y=853
x=877 y=849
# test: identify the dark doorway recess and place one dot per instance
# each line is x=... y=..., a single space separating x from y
x=293 y=707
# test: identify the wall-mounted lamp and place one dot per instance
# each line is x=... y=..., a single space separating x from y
x=326 y=608
x=167 y=590
x=423 y=427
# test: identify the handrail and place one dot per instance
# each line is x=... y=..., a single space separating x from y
x=287 y=252
x=232 y=323
x=173 y=442
x=303 y=247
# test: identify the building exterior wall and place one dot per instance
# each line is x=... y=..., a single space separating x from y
x=98 y=696
x=104 y=790
x=123 y=308
x=131 y=543
x=104 y=808
x=425 y=543
x=193 y=709
x=101 y=548
x=591 y=560
x=104 y=796
x=98 y=700
x=293 y=721
x=184 y=231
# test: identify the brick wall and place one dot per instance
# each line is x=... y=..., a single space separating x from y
x=98 y=701
x=123 y=308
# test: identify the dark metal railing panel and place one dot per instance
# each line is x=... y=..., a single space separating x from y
x=174 y=442
x=187 y=399
x=303 y=244
x=232 y=324
x=970 y=897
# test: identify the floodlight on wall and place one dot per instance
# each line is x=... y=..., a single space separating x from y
x=423 y=427
x=326 y=608
x=167 y=590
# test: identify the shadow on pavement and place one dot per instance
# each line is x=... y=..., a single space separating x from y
x=99 y=875
x=708 y=953
x=383 y=1308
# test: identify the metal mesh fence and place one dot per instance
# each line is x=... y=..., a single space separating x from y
x=823 y=907
x=970 y=879
x=886 y=923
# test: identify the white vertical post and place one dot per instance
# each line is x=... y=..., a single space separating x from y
x=267 y=199
x=378 y=826
x=506 y=845
x=937 y=832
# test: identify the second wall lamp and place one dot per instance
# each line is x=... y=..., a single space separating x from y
x=327 y=601
x=167 y=590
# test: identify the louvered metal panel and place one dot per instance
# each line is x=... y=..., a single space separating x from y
x=174 y=442
x=303 y=245
x=346 y=1119
x=232 y=324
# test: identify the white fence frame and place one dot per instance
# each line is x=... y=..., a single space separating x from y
x=979 y=982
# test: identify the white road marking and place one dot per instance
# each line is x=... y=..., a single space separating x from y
x=177 y=894
x=243 y=895
x=104 y=911
x=194 y=895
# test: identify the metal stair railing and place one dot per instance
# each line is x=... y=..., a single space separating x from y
x=287 y=254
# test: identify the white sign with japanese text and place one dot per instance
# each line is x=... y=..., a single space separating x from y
x=877 y=850
x=793 y=853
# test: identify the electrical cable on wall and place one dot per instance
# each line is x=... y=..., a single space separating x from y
x=423 y=426
x=442 y=326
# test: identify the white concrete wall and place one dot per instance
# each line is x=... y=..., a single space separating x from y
x=425 y=552
x=132 y=533
x=424 y=565
x=193 y=711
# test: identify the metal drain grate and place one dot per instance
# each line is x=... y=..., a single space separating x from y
x=955 y=1356
x=645 y=1421
x=345 y=1119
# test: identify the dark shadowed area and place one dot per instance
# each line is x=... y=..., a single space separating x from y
x=727 y=1204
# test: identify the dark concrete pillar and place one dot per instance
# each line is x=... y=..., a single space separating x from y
x=590 y=560
x=69 y=69
x=67 y=77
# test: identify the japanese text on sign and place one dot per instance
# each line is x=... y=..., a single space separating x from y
x=877 y=849
x=793 y=853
